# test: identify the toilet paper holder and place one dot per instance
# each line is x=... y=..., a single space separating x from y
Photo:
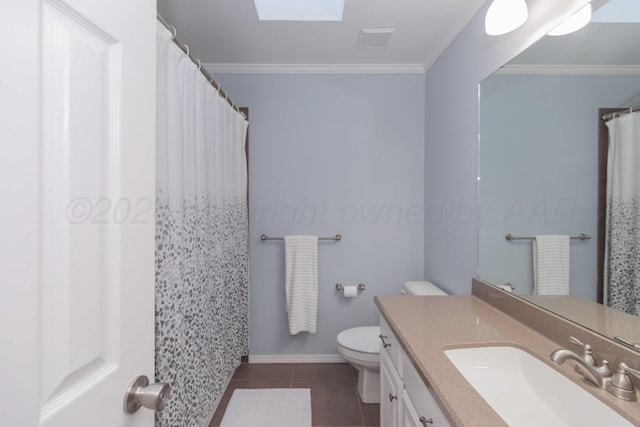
x=340 y=287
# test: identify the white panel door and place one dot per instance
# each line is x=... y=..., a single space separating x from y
x=77 y=174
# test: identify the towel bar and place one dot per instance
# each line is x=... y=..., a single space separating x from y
x=511 y=237
x=336 y=237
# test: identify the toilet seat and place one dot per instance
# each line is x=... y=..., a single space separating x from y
x=363 y=339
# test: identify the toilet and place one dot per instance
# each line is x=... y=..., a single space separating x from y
x=361 y=347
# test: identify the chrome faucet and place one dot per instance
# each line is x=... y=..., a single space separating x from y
x=586 y=365
x=621 y=385
x=587 y=354
x=618 y=384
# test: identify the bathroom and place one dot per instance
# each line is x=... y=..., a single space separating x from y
x=388 y=160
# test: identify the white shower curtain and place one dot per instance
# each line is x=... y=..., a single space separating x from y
x=622 y=251
x=201 y=239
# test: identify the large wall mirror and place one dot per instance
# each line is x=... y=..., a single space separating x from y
x=538 y=157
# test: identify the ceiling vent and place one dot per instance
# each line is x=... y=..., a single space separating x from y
x=374 y=38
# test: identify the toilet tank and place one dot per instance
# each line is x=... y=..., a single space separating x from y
x=421 y=288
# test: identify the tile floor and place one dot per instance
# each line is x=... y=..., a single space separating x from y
x=334 y=398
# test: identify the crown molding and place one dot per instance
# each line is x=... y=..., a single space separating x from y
x=569 y=69
x=315 y=68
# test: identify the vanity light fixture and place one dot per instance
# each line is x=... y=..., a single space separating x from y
x=573 y=23
x=504 y=16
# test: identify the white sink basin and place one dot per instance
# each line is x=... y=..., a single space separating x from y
x=524 y=391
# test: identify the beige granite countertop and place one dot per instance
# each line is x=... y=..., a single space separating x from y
x=428 y=325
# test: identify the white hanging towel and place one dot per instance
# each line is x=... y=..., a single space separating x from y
x=301 y=282
x=551 y=265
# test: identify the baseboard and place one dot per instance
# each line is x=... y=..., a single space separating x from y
x=295 y=358
x=219 y=399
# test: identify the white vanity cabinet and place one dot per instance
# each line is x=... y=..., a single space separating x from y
x=391 y=386
x=420 y=408
x=390 y=345
x=405 y=400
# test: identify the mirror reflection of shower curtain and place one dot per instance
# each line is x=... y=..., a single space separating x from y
x=622 y=251
x=202 y=296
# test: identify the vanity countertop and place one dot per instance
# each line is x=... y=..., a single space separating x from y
x=428 y=325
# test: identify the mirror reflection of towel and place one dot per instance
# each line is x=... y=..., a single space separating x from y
x=551 y=265
x=301 y=282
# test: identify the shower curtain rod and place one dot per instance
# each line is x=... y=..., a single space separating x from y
x=610 y=116
x=196 y=61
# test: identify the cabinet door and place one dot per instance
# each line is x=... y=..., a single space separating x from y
x=409 y=415
x=412 y=418
x=419 y=398
x=390 y=386
x=390 y=345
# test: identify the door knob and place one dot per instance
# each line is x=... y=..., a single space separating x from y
x=141 y=393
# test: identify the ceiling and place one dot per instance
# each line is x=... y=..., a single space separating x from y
x=610 y=43
x=227 y=35
x=597 y=44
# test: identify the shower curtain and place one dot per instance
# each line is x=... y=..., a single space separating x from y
x=201 y=239
x=622 y=250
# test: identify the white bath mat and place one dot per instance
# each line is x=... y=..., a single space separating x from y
x=269 y=407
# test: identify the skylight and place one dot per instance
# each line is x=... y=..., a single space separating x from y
x=299 y=10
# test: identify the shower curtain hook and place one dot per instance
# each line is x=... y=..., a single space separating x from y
x=174 y=32
x=215 y=85
x=186 y=46
x=199 y=64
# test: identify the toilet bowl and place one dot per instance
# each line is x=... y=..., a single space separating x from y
x=361 y=347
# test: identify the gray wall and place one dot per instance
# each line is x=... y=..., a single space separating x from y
x=347 y=154
x=332 y=154
x=538 y=169
x=451 y=150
